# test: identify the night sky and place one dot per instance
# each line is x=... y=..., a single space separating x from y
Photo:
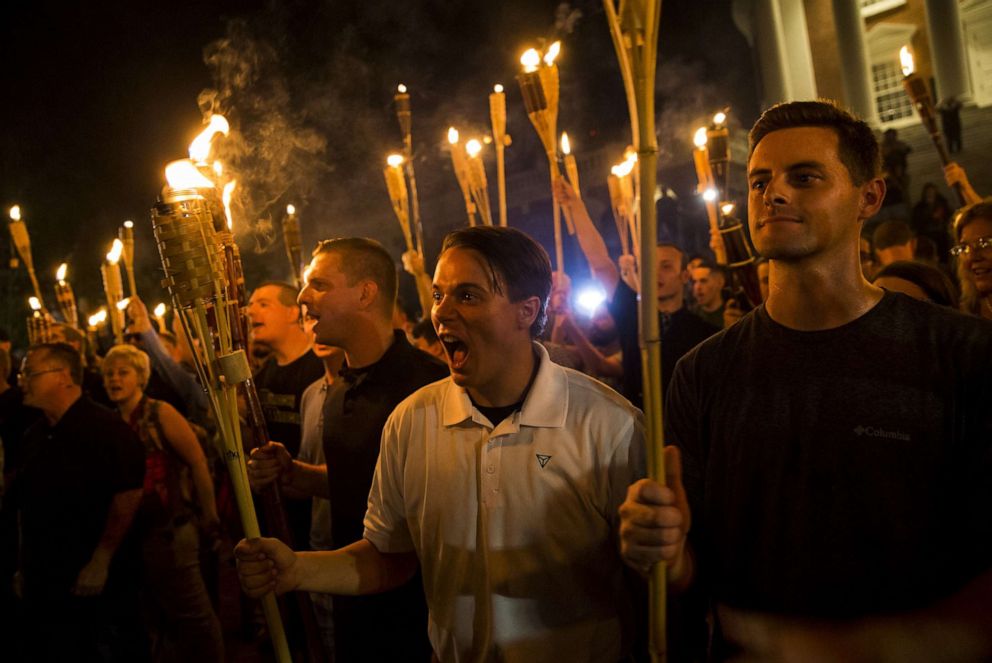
x=100 y=96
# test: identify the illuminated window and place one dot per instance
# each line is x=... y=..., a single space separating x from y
x=891 y=99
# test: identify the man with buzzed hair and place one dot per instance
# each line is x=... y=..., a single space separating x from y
x=894 y=241
x=349 y=297
x=78 y=492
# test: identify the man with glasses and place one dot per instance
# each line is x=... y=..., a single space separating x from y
x=78 y=491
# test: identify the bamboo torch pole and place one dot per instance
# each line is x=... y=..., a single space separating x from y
x=635 y=39
x=22 y=242
x=126 y=235
x=398 y=196
x=405 y=118
x=501 y=139
x=460 y=168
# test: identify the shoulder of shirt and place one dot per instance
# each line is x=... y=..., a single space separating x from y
x=945 y=323
x=595 y=393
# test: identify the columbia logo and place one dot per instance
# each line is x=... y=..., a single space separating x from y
x=871 y=431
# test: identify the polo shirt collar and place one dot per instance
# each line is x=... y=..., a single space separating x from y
x=544 y=407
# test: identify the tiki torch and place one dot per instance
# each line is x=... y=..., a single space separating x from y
x=707 y=188
x=497 y=115
x=919 y=94
x=539 y=88
x=126 y=235
x=39 y=323
x=292 y=238
x=718 y=151
x=159 y=313
x=625 y=211
x=460 y=167
x=414 y=263
x=113 y=288
x=65 y=297
x=196 y=277
x=93 y=324
x=22 y=242
x=404 y=117
x=571 y=167
x=477 y=184
x=635 y=38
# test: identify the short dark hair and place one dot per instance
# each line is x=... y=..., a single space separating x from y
x=63 y=354
x=287 y=293
x=364 y=258
x=683 y=262
x=714 y=269
x=938 y=288
x=857 y=147
x=891 y=233
x=514 y=259
x=425 y=330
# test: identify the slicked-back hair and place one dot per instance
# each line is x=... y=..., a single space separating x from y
x=364 y=258
x=857 y=147
x=64 y=355
x=515 y=261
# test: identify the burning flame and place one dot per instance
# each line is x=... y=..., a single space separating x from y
x=115 y=252
x=906 y=59
x=630 y=156
x=291 y=209
x=452 y=135
x=530 y=60
x=199 y=149
x=225 y=197
x=159 y=310
x=709 y=195
x=566 y=147
x=129 y=224
x=623 y=168
x=98 y=318
x=498 y=89
x=472 y=148
x=61 y=272
x=552 y=53
x=727 y=209
x=34 y=303
x=394 y=160
x=401 y=88
x=719 y=118
x=122 y=304
x=699 y=138
x=218 y=168
x=183 y=174
x=15 y=213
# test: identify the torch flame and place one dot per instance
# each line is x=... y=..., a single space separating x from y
x=34 y=303
x=566 y=147
x=61 y=272
x=401 y=88
x=623 y=168
x=15 y=213
x=699 y=138
x=498 y=89
x=122 y=304
x=630 y=156
x=98 y=318
x=199 y=149
x=709 y=195
x=906 y=59
x=129 y=224
x=218 y=168
x=394 y=160
x=226 y=199
x=115 y=252
x=719 y=118
x=552 y=53
x=452 y=135
x=291 y=209
x=183 y=174
x=159 y=310
x=530 y=60
x=727 y=209
x=472 y=148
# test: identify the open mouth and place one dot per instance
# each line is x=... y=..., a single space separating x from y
x=456 y=349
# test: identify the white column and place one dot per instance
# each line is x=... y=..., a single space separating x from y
x=799 y=56
x=781 y=41
x=947 y=48
x=853 y=55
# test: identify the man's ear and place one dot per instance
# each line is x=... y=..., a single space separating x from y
x=872 y=195
x=368 y=294
x=527 y=312
x=684 y=276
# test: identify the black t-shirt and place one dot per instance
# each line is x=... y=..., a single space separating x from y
x=680 y=332
x=71 y=473
x=389 y=626
x=842 y=472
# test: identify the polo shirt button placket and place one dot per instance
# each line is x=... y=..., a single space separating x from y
x=490 y=461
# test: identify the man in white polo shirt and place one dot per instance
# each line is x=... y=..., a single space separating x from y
x=503 y=480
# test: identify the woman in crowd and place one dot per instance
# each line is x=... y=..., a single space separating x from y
x=181 y=619
x=918 y=280
x=973 y=250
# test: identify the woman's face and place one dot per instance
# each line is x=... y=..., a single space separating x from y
x=977 y=263
x=120 y=380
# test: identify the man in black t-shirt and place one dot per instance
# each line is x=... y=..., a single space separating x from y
x=836 y=443
x=350 y=295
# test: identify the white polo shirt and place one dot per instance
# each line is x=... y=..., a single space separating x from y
x=515 y=526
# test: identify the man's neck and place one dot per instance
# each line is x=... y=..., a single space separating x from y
x=509 y=387
x=370 y=339
x=712 y=306
x=292 y=347
x=670 y=304
x=811 y=295
x=332 y=364
x=56 y=411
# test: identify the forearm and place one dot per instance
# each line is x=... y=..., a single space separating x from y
x=594 y=249
x=592 y=358
x=122 y=509
x=306 y=480
x=204 y=486
x=178 y=378
x=355 y=569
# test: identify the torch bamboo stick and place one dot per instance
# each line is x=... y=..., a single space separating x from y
x=497 y=115
x=477 y=183
x=460 y=168
x=65 y=297
x=126 y=236
x=22 y=242
x=405 y=118
x=291 y=237
x=635 y=39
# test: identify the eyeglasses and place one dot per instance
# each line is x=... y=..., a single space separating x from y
x=967 y=248
x=21 y=375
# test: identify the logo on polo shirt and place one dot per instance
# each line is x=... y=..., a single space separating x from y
x=542 y=459
x=872 y=431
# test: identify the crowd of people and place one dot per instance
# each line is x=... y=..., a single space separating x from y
x=472 y=486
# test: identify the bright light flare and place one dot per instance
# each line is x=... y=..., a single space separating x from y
x=452 y=135
x=291 y=209
x=394 y=160
x=218 y=168
x=98 y=318
x=401 y=88
x=566 y=147
x=552 y=53
x=709 y=195
x=115 y=252
x=719 y=118
x=129 y=224
x=159 y=310
x=15 y=213
x=34 y=303
x=728 y=209
x=122 y=304
x=530 y=60
x=498 y=89
x=623 y=168
x=61 y=272
x=182 y=174
x=225 y=198
x=630 y=156
x=906 y=60
x=473 y=147
x=699 y=138
x=199 y=149
x=589 y=300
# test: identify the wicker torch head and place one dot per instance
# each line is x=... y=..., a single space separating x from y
x=191 y=255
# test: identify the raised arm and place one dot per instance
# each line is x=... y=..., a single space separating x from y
x=590 y=241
